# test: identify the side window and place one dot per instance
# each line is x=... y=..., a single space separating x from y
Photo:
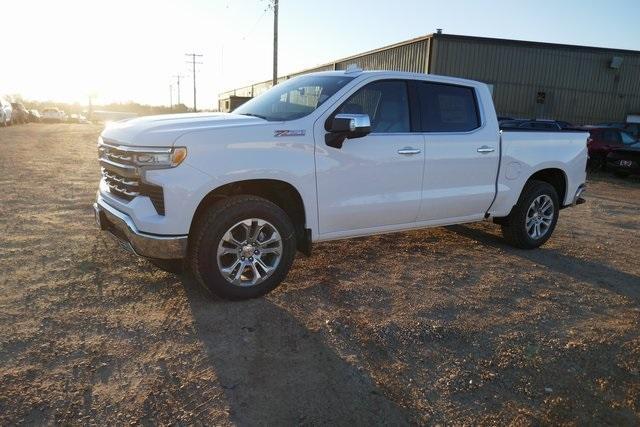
x=448 y=108
x=610 y=136
x=627 y=138
x=387 y=104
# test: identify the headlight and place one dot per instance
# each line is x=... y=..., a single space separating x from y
x=161 y=158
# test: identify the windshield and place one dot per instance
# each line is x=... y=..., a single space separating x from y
x=294 y=98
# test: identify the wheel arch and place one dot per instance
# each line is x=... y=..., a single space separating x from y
x=556 y=177
x=279 y=192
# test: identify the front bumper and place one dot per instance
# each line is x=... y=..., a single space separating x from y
x=120 y=226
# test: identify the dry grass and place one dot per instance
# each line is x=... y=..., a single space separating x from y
x=436 y=326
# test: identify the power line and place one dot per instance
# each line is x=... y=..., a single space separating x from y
x=193 y=65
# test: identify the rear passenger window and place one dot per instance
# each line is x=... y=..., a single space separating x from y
x=448 y=108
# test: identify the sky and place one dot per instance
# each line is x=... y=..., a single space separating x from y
x=128 y=50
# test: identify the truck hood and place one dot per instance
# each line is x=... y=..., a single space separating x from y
x=164 y=130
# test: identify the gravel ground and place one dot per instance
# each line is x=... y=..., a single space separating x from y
x=447 y=325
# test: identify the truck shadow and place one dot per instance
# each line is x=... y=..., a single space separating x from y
x=274 y=371
x=594 y=273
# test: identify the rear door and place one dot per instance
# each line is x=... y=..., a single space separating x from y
x=461 y=152
x=373 y=181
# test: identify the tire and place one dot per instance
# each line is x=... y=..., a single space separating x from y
x=236 y=219
x=515 y=230
x=175 y=266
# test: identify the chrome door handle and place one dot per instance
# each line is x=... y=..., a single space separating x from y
x=486 y=149
x=409 y=150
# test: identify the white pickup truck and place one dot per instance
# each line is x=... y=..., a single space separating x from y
x=327 y=156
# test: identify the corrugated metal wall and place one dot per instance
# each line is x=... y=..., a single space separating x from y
x=578 y=83
x=411 y=57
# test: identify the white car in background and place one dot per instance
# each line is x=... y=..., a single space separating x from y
x=6 y=112
x=52 y=115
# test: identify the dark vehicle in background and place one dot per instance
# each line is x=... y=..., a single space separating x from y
x=632 y=128
x=34 y=116
x=602 y=140
x=625 y=161
x=20 y=114
x=531 y=124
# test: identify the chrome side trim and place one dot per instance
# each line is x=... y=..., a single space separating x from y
x=121 y=147
x=120 y=226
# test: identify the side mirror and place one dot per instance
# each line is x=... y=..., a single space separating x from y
x=344 y=126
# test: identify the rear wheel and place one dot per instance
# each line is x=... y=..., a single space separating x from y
x=533 y=219
x=242 y=247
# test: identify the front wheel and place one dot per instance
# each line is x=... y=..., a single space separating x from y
x=533 y=219
x=242 y=247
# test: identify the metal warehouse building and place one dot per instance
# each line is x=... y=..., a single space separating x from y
x=578 y=84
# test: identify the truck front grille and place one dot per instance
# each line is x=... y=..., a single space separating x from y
x=124 y=178
x=121 y=186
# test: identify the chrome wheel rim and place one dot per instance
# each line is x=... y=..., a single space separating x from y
x=539 y=217
x=249 y=252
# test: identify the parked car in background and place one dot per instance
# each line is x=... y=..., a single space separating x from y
x=566 y=125
x=602 y=140
x=625 y=160
x=20 y=114
x=531 y=124
x=6 y=113
x=52 y=115
x=77 y=118
x=34 y=116
x=632 y=128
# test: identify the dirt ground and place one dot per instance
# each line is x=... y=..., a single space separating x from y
x=446 y=325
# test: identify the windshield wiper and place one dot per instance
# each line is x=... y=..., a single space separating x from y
x=255 y=115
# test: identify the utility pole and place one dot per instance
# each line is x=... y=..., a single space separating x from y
x=193 y=65
x=275 y=42
x=170 y=97
x=178 y=77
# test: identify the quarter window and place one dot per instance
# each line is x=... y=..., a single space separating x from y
x=448 y=108
x=387 y=104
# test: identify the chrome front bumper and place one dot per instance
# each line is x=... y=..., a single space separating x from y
x=120 y=226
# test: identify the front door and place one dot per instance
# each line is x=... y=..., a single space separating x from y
x=374 y=181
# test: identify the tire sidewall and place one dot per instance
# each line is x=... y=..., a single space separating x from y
x=212 y=231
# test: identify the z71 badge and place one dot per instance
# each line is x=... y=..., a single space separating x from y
x=288 y=132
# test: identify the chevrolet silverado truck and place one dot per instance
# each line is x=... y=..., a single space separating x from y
x=331 y=155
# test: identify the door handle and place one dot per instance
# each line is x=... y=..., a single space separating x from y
x=486 y=149
x=409 y=150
